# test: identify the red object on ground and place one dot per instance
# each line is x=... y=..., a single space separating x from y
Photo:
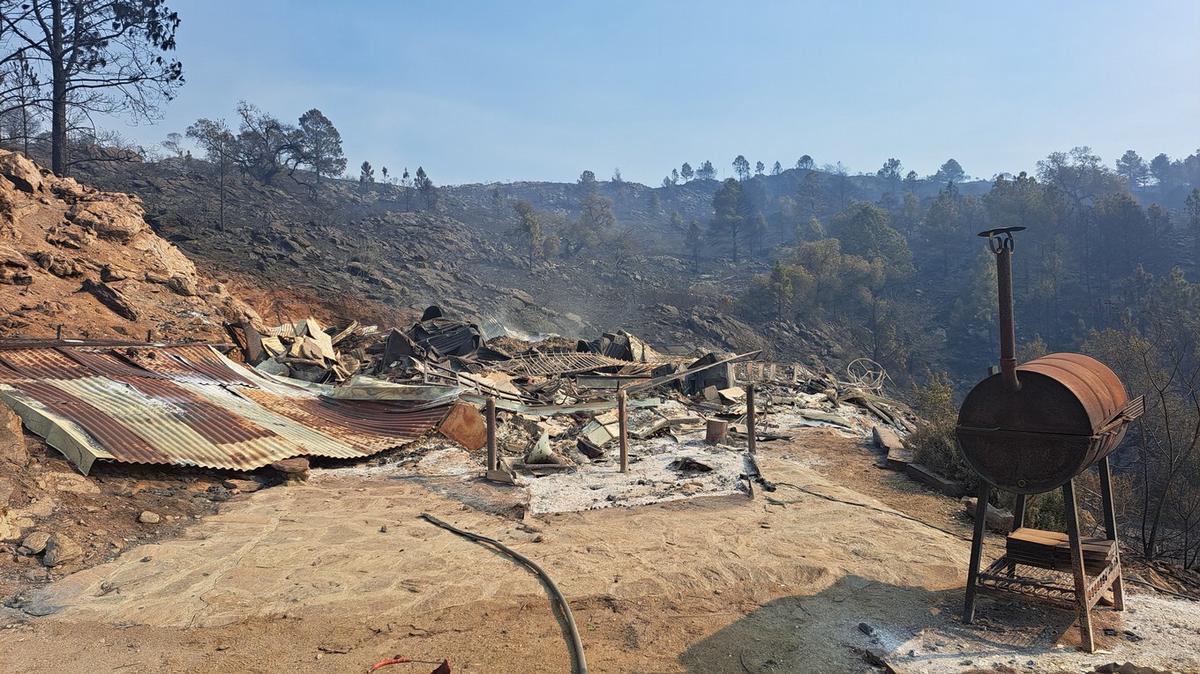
x=443 y=668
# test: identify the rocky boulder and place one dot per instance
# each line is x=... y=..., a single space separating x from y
x=14 y=270
x=295 y=468
x=21 y=172
x=998 y=520
x=118 y=220
x=59 y=549
x=59 y=265
x=34 y=543
x=12 y=442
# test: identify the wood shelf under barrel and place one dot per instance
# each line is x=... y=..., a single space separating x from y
x=1035 y=562
x=1051 y=551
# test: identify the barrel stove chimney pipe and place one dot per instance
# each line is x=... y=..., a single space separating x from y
x=1000 y=241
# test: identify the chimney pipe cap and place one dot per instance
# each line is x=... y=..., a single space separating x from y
x=1001 y=230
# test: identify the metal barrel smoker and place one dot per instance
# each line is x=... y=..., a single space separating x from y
x=1032 y=428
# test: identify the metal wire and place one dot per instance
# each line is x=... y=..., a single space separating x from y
x=872 y=377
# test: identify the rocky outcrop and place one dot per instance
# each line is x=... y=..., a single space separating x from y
x=60 y=549
x=12 y=443
x=22 y=173
x=118 y=217
x=87 y=260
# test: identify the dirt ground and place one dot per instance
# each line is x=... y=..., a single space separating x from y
x=99 y=512
x=338 y=573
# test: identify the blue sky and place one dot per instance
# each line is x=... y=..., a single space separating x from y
x=479 y=92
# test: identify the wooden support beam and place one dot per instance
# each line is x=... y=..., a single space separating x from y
x=1018 y=522
x=1110 y=529
x=623 y=424
x=492 y=461
x=1082 y=606
x=985 y=491
x=751 y=435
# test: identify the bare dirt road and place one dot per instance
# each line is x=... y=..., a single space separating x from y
x=339 y=573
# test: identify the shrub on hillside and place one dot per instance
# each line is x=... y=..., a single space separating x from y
x=933 y=441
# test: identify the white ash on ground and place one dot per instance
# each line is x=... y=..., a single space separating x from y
x=1029 y=637
x=657 y=473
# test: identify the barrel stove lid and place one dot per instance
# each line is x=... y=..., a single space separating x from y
x=1063 y=393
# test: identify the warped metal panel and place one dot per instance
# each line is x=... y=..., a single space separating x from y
x=108 y=364
x=59 y=432
x=162 y=426
x=377 y=426
x=105 y=430
x=214 y=422
x=190 y=406
x=43 y=364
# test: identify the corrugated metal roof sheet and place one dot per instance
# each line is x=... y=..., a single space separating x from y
x=559 y=362
x=190 y=406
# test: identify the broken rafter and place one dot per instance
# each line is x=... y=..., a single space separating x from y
x=466 y=380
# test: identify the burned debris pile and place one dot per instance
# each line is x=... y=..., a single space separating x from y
x=609 y=421
x=558 y=402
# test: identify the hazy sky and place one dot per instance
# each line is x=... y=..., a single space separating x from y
x=541 y=90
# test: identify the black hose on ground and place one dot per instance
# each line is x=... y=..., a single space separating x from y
x=574 y=643
x=827 y=497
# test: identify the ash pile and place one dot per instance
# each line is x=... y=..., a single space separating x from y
x=556 y=404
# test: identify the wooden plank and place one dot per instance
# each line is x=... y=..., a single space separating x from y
x=1110 y=528
x=985 y=491
x=1082 y=609
x=934 y=481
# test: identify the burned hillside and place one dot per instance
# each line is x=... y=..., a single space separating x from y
x=343 y=251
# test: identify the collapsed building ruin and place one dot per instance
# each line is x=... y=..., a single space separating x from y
x=555 y=407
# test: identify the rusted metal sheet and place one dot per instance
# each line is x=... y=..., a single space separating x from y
x=466 y=426
x=43 y=364
x=107 y=430
x=190 y=406
x=367 y=425
x=197 y=363
x=107 y=363
x=214 y=423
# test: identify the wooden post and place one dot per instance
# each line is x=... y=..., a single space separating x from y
x=1110 y=529
x=622 y=422
x=985 y=491
x=492 y=462
x=1082 y=611
x=750 y=430
x=1018 y=522
x=1019 y=512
